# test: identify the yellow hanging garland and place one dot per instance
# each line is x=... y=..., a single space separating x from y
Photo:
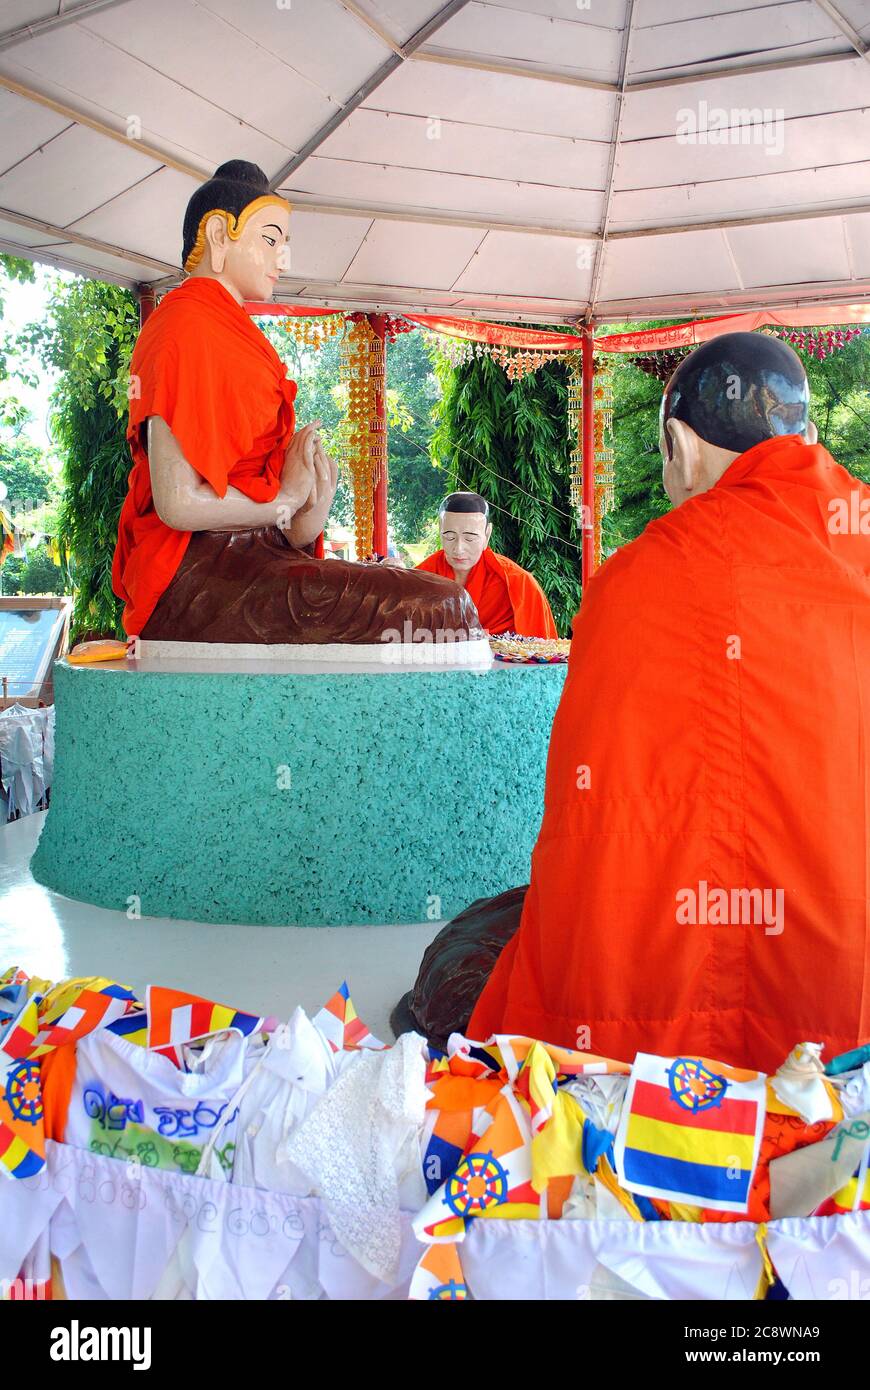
x=313 y=331
x=362 y=439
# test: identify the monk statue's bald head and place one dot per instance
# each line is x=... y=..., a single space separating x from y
x=463 y=519
x=725 y=397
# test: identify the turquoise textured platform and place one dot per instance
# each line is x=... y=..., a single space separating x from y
x=290 y=799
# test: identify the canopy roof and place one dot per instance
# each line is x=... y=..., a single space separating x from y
x=516 y=159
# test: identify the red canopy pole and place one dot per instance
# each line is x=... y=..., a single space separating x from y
x=588 y=456
x=378 y=440
x=147 y=304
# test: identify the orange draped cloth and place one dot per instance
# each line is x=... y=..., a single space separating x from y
x=507 y=597
x=203 y=366
x=713 y=733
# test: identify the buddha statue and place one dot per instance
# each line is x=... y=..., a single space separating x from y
x=220 y=535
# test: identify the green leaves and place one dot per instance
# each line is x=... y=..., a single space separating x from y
x=415 y=486
x=839 y=406
x=15 y=268
x=35 y=573
x=89 y=336
x=510 y=442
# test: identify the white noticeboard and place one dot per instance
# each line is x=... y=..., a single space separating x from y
x=31 y=633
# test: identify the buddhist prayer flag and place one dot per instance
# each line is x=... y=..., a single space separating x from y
x=12 y=1001
x=82 y=1006
x=438 y=1277
x=492 y=1178
x=133 y=1027
x=690 y=1131
x=22 y=1136
x=176 y=1018
x=472 y=1163
x=854 y=1195
x=52 y=1017
x=14 y=994
x=20 y=1038
x=340 y=1024
x=568 y=1062
x=21 y=1156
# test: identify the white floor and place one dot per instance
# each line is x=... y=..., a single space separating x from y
x=264 y=970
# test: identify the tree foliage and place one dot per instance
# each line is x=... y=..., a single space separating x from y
x=510 y=442
x=639 y=493
x=11 y=268
x=25 y=471
x=840 y=404
x=88 y=337
x=839 y=407
x=468 y=427
x=33 y=573
x=415 y=485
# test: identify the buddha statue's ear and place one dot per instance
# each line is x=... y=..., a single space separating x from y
x=217 y=240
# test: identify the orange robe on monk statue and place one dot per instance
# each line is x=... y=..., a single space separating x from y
x=700 y=881
x=507 y=597
x=220 y=535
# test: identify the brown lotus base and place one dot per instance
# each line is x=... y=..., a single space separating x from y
x=252 y=586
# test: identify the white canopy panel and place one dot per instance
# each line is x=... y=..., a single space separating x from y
x=540 y=159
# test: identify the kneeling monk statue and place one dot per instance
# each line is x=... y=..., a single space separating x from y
x=220 y=536
x=700 y=882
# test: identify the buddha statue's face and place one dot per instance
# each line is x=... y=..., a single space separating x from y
x=464 y=536
x=250 y=265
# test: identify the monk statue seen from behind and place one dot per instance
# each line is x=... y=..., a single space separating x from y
x=700 y=881
x=220 y=536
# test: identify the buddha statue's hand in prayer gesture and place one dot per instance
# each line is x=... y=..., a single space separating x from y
x=308 y=482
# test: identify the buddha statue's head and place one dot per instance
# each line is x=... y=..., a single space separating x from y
x=465 y=527
x=729 y=394
x=235 y=231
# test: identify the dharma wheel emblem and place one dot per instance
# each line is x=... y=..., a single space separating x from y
x=449 y=1293
x=23 y=1094
x=693 y=1086
x=478 y=1183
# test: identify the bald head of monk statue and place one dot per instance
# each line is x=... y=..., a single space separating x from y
x=465 y=527
x=726 y=396
x=235 y=231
